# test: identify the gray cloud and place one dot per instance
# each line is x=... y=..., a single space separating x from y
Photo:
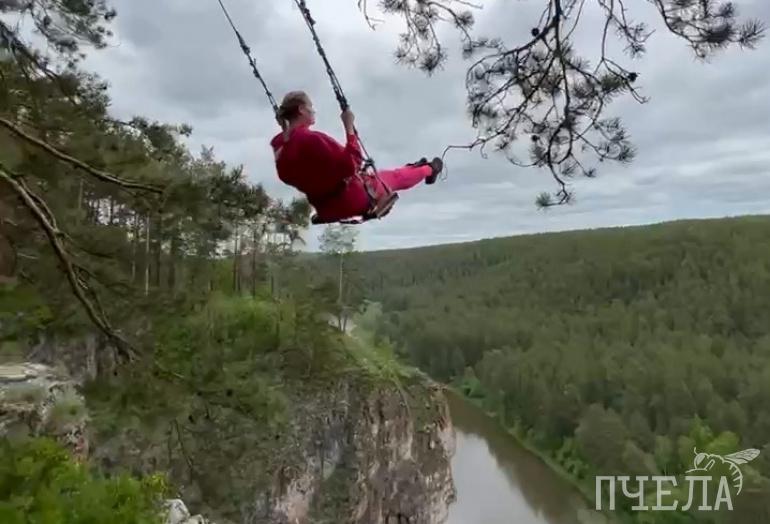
x=703 y=139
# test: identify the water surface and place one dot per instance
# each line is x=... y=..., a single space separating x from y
x=500 y=482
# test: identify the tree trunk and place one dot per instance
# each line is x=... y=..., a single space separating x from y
x=273 y=276
x=212 y=267
x=134 y=243
x=173 y=255
x=273 y=281
x=8 y=258
x=147 y=255
x=80 y=197
x=158 y=249
x=236 y=250
x=94 y=209
x=254 y=247
x=340 y=308
x=89 y=210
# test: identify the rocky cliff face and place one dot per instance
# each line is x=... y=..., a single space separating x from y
x=39 y=400
x=84 y=358
x=357 y=451
x=379 y=459
x=352 y=454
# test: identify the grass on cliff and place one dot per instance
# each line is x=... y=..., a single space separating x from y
x=238 y=354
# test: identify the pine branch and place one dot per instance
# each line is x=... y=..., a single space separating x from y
x=370 y=21
x=20 y=51
x=101 y=175
x=80 y=287
x=543 y=91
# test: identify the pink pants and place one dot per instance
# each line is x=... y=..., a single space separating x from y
x=354 y=201
x=403 y=177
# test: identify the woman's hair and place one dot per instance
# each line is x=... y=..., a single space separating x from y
x=291 y=104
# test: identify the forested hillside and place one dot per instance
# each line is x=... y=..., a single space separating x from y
x=615 y=351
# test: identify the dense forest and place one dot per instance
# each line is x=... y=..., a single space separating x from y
x=614 y=351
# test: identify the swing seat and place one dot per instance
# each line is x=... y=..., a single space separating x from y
x=380 y=209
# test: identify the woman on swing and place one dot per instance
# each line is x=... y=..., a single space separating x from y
x=325 y=171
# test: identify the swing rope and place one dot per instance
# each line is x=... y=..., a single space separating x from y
x=336 y=86
x=252 y=61
x=368 y=161
x=329 y=71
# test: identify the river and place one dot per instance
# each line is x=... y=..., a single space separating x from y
x=500 y=482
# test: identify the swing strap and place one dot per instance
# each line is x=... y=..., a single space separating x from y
x=329 y=71
x=252 y=62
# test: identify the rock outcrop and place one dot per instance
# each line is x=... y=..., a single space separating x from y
x=378 y=460
x=84 y=358
x=39 y=400
x=177 y=513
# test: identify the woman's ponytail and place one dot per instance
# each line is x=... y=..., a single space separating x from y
x=280 y=117
x=289 y=109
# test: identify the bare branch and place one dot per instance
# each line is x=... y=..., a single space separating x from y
x=101 y=175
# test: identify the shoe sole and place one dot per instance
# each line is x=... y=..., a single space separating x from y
x=431 y=179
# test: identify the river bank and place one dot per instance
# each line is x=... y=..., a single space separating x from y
x=501 y=478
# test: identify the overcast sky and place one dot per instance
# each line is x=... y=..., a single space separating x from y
x=703 y=140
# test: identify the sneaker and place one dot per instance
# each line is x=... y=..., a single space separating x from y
x=437 y=165
x=421 y=162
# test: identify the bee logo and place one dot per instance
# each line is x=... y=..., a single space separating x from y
x=704 y=462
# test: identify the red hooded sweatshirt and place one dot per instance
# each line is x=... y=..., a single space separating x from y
x=317 y=165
